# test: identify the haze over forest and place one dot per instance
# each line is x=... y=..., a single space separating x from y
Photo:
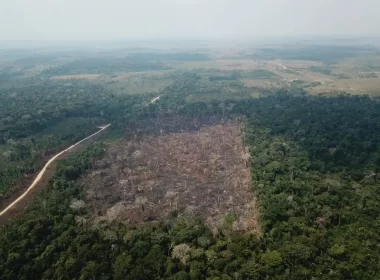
x=189 y=140
x=169 y=19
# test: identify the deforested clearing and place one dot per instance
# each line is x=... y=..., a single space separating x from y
x=76 y=77
x=202 y=172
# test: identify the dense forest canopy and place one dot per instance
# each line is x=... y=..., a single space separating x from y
x=314 y=160
x=38 y=118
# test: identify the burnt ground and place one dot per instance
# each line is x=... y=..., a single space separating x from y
x=198 y=172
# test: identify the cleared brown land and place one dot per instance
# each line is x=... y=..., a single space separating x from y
x=224 y=64
x=77 y=77
x=201 y=172
x=290 y=70
x=291 y=63
x=353 y=86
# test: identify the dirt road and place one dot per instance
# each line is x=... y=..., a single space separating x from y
x=42 y=172
x=153 y=100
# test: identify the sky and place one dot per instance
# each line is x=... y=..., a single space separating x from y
x=177 y=19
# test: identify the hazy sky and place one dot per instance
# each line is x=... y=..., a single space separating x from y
x=124 y=19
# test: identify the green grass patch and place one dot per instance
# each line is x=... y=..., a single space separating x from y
x=138 y=85
x=113 y=134
x=258 y=74
x=326 y=70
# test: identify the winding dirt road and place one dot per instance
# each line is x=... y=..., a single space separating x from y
x=42 y=172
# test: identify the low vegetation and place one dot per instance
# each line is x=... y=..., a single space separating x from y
x=321 y=69
x=324 y=53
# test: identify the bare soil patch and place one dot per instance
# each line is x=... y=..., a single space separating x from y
x=223 y=64
x=291 y=63
x=77 y=77
x=352 y=86
x=203 y=172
